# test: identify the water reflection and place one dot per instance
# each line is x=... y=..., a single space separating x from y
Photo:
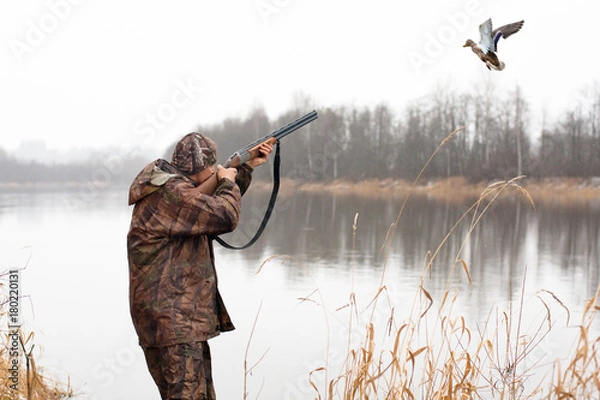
x=550 y=242
x=569 y=238
x=509 y=239
x=80 y=246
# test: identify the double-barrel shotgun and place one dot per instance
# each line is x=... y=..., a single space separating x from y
x=251 y=150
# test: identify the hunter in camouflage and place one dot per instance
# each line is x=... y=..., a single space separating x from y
x=175 y=303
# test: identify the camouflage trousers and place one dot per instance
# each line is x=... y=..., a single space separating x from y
x=182 y=371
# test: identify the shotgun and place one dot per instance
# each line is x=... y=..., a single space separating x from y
x=250 y=151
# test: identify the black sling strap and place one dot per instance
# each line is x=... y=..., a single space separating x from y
x=263 y=224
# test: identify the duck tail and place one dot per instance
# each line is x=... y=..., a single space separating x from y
x=501 y=66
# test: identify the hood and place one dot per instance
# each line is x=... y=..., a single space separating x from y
x=151 y=178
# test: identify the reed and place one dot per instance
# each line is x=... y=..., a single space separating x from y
x=436 y=353
x=454 y=190
x=17 y=354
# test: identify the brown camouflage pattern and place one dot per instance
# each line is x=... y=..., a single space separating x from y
x=193 y=153
x=173 y=283
x=182 y=371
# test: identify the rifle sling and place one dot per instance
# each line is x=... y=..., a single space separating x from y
x=263 y=224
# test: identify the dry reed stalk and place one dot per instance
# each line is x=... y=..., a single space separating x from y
x=436 y=355
x=32 y=384
x=271 y=258
x=35 y=385
x=413 y=185
x=395 y=374
x=443 y=361
x=580 y=379
x=248 y=370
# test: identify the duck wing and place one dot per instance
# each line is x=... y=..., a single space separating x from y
x=505 y=31
x=486 y=41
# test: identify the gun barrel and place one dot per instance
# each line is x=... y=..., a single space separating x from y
x=283 y=131
x=294 y=125
x=244 y=155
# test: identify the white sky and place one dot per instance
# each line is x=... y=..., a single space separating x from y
x=96 y=73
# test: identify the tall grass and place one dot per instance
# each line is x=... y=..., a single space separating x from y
x=30 y=383
x=436 y=353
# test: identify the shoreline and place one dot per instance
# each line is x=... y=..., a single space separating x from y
x=454 y=189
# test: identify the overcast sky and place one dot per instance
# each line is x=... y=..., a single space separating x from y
x=97 y=73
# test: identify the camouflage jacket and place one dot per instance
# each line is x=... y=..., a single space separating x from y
x=173 y=292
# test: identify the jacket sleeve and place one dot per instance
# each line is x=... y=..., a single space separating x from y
x=244 y=177
x=183 y=210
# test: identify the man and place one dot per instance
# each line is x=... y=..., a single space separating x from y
x=174 y=300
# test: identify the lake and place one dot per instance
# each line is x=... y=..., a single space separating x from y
x=288 y=293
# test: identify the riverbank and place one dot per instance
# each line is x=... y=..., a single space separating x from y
x=456 y=189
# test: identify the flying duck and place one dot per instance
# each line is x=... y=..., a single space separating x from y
x=488 y=44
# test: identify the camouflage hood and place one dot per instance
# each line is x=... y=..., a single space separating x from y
x=151 y=178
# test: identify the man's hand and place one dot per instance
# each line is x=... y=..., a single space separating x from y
x=228 y=173
x=263 y=150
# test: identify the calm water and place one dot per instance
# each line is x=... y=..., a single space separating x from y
x=76 y=278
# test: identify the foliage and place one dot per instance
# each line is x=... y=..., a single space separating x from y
x=359 y=143
x=356 y=144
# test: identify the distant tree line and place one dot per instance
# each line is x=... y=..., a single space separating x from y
x=376 y=143
x=102 y=169
x=354 y=143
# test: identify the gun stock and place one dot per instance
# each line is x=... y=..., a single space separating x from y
x=210 y=185
x=250 y=151
x=236 y=159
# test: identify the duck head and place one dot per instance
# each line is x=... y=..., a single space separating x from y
x=469 y=43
